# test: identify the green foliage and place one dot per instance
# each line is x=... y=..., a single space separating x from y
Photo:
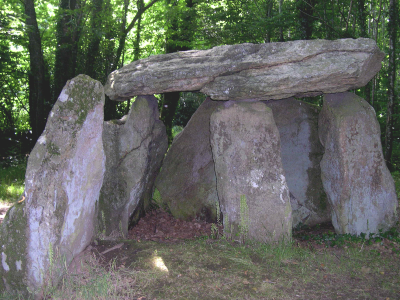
x=12 y=183
x=188 y=104
x=396 y=177
x=331 y=239
x=106 y=36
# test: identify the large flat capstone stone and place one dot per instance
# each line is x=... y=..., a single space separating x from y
x=256 y=71
x=252 y=189
x=359 y=186
x=55 y=222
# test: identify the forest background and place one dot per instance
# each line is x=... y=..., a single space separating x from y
x=44 y=43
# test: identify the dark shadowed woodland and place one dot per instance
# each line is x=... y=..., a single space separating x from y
x=45 y=43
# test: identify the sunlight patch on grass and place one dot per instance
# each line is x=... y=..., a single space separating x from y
x=12 y=183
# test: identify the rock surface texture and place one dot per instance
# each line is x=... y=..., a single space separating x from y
x=186 y=184
x=301 y=153
x=355 y=177
x=255 y=71
x=135 y=147
x=252 y=190
x=65 y=171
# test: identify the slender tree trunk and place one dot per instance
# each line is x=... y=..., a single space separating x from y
x=362 y=21
x=281 y=39
x=124 y=33
x=67 y=34
x=392 y=29
x=176 y=34
x=306 y=10
x=92 y=54
x=39 y=86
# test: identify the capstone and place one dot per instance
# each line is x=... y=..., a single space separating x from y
x=253 y=71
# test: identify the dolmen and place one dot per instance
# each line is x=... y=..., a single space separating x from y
x=253 y=156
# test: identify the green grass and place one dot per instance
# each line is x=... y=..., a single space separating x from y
x=218 y=269
x=12 y=183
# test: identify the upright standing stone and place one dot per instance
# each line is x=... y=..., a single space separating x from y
x=135 y=147
x=187 y=185
x=251 y=185
x=62 y=185
x=355 y=177
x=301 y=153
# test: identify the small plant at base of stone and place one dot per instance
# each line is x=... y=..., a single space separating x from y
x=244 y=219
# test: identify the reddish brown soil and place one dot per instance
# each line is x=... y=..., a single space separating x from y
x=160 y=226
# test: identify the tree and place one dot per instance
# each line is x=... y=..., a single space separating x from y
x=68 y=32
x=39 y=85
x=392 y=31
x=179 y=37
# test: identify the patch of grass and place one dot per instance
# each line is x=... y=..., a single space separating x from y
x=12 y=183
x=219 y=269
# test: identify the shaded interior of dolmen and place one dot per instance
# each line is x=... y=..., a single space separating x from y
x=186 y=185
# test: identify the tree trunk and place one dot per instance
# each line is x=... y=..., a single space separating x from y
x=92 y=54
x=281 y=39
x=306 y=10
x=39 y=86
x=362 y=21
x=176 y=35
x=392 y=30
x=67 y=35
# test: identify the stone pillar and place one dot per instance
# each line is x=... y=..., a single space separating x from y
x=187 y=185
x=251 y=185
x=301 y=153
x=135 y=147
x=359 y=186
x=55 y=222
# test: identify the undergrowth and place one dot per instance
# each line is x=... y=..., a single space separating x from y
x=12 y=183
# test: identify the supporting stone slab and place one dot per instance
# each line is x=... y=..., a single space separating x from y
x=135 y=147
x=55 y=222
x=359 y=186
x=186 y=184
x=301 y=153
x=252 y=189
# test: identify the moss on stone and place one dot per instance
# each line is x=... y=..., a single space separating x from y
x=53 y=149
x=13 y=243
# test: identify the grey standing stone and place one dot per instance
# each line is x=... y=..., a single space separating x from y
x=62 y=185
x=135 y=147
x=252 y=190
x=186 y=184
x=301 y=153
x=355 y=177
